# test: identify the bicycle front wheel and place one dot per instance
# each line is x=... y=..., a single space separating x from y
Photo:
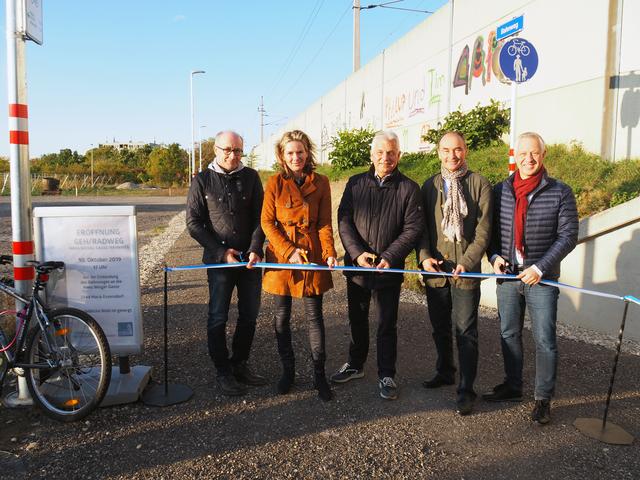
x=79 y=365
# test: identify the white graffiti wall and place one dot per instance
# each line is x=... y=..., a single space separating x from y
x=450 y=62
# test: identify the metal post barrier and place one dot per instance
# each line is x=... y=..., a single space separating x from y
x=600 y=429
x=167 y=394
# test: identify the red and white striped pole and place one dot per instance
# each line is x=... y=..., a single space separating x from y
x=512 y=128
x=19 y=164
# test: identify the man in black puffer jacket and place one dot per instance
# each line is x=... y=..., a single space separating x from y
x=536 y=226
x=223 y=215
x=380 y=219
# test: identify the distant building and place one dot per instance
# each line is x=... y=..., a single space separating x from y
x=131 y=146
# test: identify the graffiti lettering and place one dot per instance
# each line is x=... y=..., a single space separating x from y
x=461 y=77
x=435 y=85
x=393 y=109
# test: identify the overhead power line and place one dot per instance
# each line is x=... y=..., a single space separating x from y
x=298 y=43
x=333 y=30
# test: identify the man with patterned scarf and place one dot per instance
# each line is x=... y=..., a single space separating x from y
x=458 y=206
x=536 y=226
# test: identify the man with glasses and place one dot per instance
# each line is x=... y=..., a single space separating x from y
x=223 y=215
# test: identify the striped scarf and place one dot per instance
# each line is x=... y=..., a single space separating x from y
x=455 y=207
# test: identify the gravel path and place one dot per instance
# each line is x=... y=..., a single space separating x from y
x=359 y=435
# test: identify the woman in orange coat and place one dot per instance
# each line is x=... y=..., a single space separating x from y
x=296 y=219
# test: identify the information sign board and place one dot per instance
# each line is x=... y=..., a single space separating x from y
x=30 y=20
x=99 y=247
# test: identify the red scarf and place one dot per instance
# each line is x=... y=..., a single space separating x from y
x=522 y=189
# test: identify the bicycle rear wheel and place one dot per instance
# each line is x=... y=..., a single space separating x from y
x=80 y=378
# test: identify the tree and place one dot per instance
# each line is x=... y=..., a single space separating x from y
x=351 y=148
x=168 y=165
x=481 y=126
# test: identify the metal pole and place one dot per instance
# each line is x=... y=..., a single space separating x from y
x=192 y=163
x=450 y=60
x=92 y=165
x=166 y=339
x=615 y=365
x=356 y=35
x=19 y=167
x=200 y=147
x=512 y=128
x=261 y=110
x=192 y=122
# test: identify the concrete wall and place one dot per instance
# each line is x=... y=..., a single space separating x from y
x=607 y=260
x=409 y=87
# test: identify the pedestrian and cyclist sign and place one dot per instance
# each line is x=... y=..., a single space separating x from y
x=518 y=60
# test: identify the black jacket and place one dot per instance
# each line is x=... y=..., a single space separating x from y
x=223 y=211
x=551 y=227
x=386 y=220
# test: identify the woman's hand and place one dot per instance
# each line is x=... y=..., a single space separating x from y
x=332 y=262
x=295 y=257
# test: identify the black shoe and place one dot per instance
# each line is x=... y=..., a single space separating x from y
x=229 y=386
x=388 y=388
x=243 y=374
x=437 y=382
x=541 y=413
x=503 y=393
x=324 y=391
x=464 y=403
x=346 y=373
x=286 y=380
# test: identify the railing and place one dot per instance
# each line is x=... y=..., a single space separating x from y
x=68 y=181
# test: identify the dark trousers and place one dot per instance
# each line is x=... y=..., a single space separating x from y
x=455 y=307
x=282 y=327
x=385 y=304
x=221 y=284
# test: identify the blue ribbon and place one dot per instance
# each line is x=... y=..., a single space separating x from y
x=290 y=266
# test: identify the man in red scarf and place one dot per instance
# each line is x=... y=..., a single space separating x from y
x=535 y=227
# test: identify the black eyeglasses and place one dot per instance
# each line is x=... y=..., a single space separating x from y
x=229 y=151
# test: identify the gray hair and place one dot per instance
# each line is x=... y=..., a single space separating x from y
x=385 y=136
x=224 y=132
x=535 y=135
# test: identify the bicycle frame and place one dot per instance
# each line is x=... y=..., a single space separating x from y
x=33 y=305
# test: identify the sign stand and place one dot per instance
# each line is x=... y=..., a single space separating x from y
x=167 y=394
x=599 y=429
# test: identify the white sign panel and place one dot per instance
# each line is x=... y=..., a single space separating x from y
x=30 y=20
x=99 y=248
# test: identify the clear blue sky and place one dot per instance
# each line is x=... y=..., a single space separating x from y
x=120 y=68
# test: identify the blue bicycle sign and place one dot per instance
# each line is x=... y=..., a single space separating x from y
x=518 y=60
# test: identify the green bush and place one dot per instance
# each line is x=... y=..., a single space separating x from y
x=351 y=148
x=481 y=126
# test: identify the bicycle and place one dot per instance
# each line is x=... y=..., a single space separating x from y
x=65 y=356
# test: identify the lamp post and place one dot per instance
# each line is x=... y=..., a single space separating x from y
x=200 y=147
x=192 y=160
x=92 y=166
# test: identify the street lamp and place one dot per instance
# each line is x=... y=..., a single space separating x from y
x=192 y=160
x=92 y=166
x=200 y=147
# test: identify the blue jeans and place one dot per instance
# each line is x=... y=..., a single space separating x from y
x=450 y=307
x=542 y=303
x=221 y=285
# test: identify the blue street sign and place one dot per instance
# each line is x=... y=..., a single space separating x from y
x=509 y=28
x=518 y=60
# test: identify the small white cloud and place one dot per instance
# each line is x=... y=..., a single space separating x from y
x=179 y=18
